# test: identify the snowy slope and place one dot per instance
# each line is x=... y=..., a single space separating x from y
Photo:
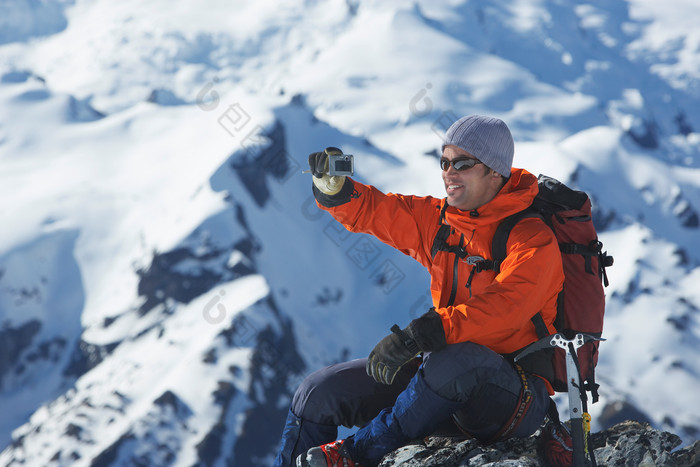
x=165 y=277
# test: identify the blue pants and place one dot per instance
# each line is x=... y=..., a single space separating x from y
x=469 y=381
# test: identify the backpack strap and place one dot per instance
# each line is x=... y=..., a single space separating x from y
x=539 y=363
x=500 y=238
x=587 y=251
x=498 y=250
x=440 y=244
x=440 y=241
x=540 y=326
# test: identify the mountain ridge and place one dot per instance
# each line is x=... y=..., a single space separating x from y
x=168 y=279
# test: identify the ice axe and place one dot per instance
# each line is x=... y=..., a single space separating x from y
x=578 y=410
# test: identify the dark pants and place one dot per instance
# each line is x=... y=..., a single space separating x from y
x=466 y=380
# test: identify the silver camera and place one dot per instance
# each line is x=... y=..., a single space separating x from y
x=341 y=165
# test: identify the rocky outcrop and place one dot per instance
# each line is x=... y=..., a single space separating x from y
x=625 y=444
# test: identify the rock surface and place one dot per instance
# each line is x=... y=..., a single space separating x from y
x=625 y=444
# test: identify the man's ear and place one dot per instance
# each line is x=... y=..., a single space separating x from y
x=498 y=178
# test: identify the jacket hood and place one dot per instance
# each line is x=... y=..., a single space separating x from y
x=517 y=194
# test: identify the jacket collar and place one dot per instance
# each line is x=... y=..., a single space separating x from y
x=517 y=194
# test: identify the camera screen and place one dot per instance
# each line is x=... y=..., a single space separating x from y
x=343 y=166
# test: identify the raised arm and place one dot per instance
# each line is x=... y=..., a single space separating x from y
x=403 y=222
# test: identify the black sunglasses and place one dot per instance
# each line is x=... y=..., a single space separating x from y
x=459 y=164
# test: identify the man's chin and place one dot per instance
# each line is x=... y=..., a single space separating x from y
x=454 y=202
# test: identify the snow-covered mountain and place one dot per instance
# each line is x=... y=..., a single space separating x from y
x=166 y=279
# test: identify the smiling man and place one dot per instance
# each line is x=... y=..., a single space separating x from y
x=452 y=368
x=467 y=189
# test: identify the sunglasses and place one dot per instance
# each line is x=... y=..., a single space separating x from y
x=459 y=164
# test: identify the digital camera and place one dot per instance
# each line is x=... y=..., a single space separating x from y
x=339 y=165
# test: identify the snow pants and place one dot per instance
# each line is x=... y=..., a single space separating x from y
x=466 y=380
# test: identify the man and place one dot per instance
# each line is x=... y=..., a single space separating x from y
x=466 y=378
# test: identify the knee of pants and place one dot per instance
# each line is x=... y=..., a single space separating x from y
x=343 y=394
x=487 y=410
x=339 y=394
x=491 y=406
x=315 y=397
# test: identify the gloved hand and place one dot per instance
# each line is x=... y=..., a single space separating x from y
x=318 y=164
x=424 y=334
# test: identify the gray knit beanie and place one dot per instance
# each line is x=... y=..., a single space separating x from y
x=486 y=138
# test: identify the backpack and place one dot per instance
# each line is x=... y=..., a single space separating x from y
x=581 y=303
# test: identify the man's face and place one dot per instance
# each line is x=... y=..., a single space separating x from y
x=470 y=188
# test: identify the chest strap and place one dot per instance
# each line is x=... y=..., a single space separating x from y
x=477 y=263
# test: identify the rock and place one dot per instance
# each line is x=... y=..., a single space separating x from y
x=634 y=443
x=628 y=443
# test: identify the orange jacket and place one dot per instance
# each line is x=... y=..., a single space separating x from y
x=496 y=311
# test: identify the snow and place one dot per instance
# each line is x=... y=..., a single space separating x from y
x=124 y=127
